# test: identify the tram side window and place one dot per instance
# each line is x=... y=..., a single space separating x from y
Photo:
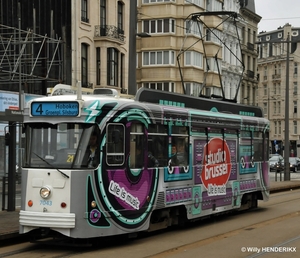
x=115 y=144
x=158 y=145
x=258 y=146
x=137 y=140
x=179 y=150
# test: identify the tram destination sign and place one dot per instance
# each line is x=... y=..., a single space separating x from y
x=70 y=108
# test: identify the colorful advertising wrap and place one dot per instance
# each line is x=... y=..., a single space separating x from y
x=216 y=166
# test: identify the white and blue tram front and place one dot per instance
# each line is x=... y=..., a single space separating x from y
x=62 y=190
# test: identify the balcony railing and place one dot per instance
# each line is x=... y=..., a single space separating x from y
x=109 y=31
x=276 y=76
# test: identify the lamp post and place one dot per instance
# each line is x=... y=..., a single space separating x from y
x=287 y=131
x=132 y=47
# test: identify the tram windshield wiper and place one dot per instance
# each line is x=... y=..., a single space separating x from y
x=65 y=175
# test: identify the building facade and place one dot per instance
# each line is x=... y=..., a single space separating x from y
x=94 y=41
x=185 y=57
x=100 y=44
x=278 y=75
x=249 y=87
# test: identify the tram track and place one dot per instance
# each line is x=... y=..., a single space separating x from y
x=206 y=241
x=224 y=222
x=38 y=250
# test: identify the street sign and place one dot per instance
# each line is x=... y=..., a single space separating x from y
x=12 y=115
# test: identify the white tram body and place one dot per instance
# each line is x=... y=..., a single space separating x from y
x=220 y=163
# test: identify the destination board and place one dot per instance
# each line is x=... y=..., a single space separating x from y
x=55 y=108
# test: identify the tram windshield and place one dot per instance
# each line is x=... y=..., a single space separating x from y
x=64 y=145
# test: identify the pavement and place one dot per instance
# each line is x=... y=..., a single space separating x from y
x=9 y=220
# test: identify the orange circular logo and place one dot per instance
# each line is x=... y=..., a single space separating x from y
x=216 y=166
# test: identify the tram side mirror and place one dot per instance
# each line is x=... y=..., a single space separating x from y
x=7 y=139
x=116 y=135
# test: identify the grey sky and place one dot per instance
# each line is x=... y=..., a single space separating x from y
x=277 y=13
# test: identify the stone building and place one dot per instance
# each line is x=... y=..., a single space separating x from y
x=278 y=76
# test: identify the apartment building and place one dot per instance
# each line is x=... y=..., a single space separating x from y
x=278 y=76
x=175 y=59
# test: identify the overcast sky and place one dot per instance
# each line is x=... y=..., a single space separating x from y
x=277 y=13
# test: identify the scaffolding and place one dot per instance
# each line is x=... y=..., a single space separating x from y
x=28 y=57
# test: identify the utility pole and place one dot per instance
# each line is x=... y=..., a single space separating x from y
x=287 y=131
x=286 y=119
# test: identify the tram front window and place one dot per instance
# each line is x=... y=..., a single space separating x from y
x=62 y=145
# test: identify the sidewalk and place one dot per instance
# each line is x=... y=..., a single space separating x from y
x=9 y=220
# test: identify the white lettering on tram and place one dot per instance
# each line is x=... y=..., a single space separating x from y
x=120 y=192
x=215 y=164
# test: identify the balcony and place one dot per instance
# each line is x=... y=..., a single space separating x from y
x=110 y=31
x=276 y=76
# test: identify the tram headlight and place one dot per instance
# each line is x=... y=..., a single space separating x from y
x=93 y=204
x=45 y=192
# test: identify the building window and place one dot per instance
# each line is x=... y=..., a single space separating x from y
x=275 y=126
x=98 y=65
x=159 y=58
x=195 y=2
x=295 y=88
x=159 y=26
x=84 y=11
x=112 y=66
x=193 y=28
x=279 y=127
x=212 y=65
x=193 y=58
x=193 y=89
x=265 y=90
x=214 y=35
x=295 y=106
x=295 y=127
x=295 y=68
x=103 y=13
x=278 y=88
x=154 y=1
x=265 y=108
x=122 y=83
x=84 y=65
x=279 y=107
x=120 y=16
x=213 y=5
x=265 y=72
x=165 y=86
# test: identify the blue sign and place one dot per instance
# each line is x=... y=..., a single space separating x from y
x=55 y=108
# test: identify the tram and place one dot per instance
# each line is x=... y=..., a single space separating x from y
x=211 y=157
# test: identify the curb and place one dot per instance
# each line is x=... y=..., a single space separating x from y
x=284 y=188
